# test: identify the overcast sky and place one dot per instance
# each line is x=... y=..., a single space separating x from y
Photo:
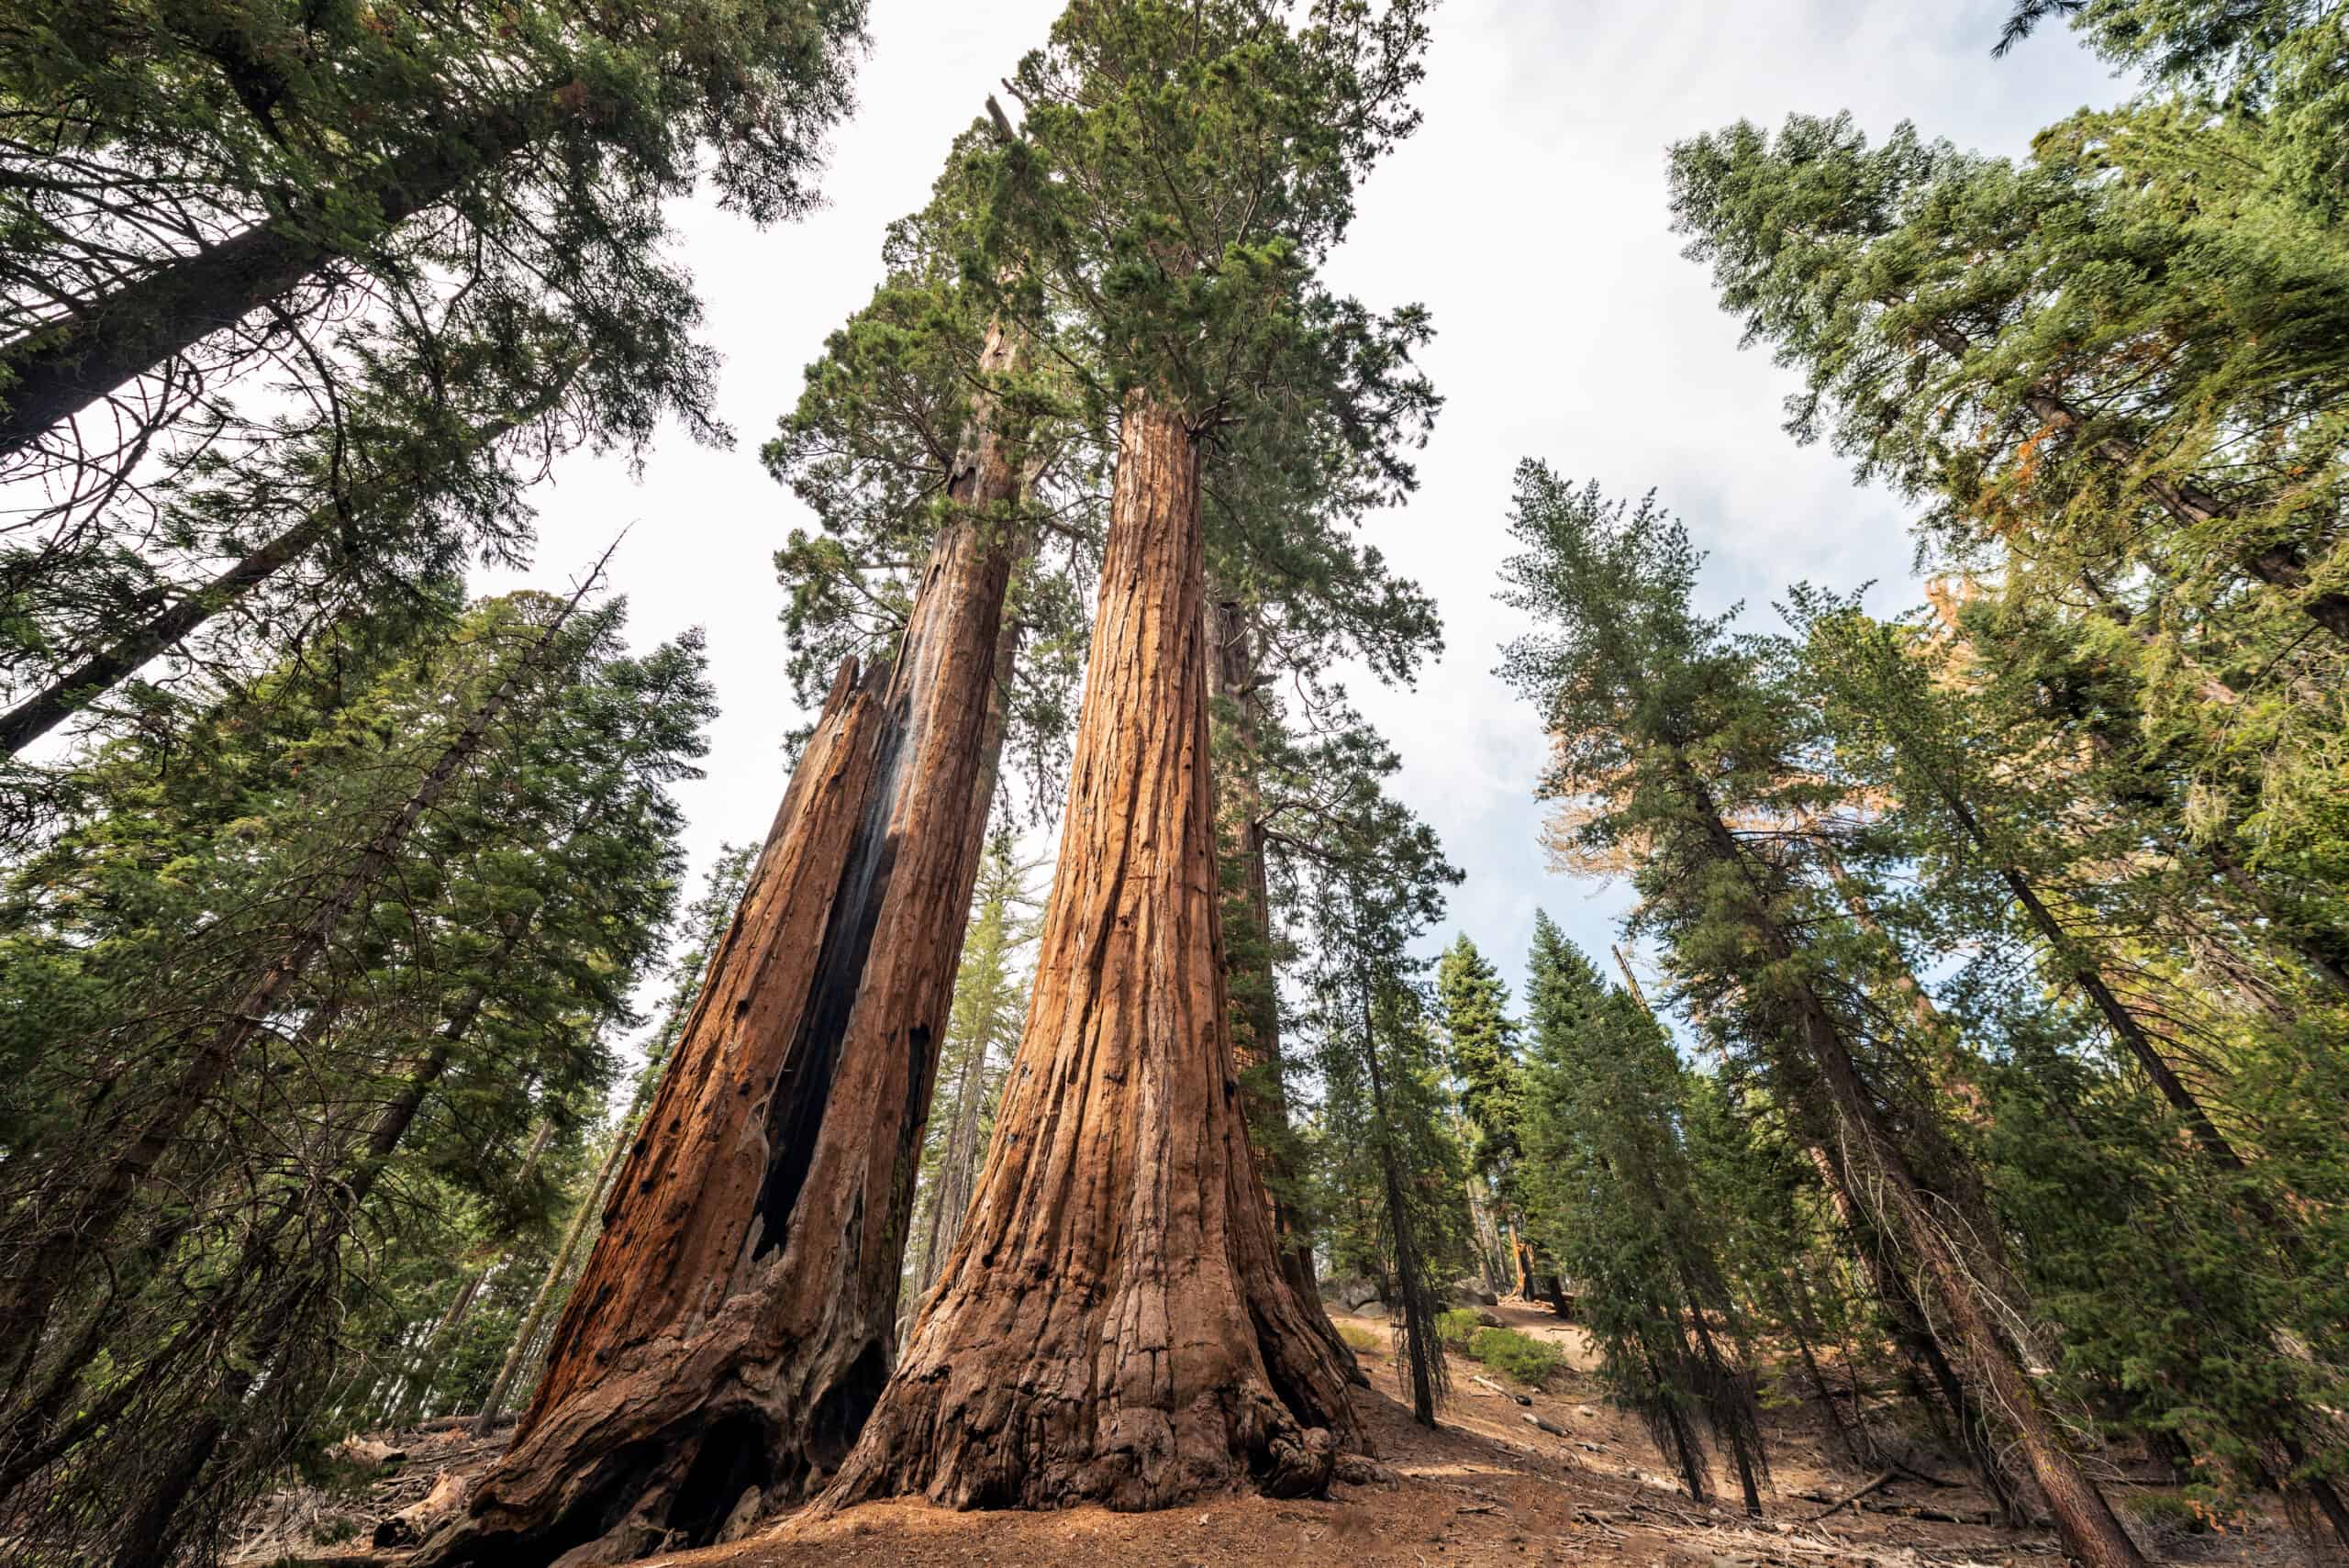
x=1528 y=214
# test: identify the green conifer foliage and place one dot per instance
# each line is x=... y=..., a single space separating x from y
x=1614 y=1193
x=419 y=1064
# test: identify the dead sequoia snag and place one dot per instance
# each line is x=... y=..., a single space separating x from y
x=1113 y=1325
x=732 y=1326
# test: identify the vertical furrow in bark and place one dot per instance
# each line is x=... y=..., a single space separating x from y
x=1112 y=1325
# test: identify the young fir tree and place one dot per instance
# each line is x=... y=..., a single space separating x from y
x=1387 y=1168
x=1480 y=1040
x=1611 y=1185
x=982 y=1031
x=1678 y=732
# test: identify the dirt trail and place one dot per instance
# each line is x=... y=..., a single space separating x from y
x=1486 y=1487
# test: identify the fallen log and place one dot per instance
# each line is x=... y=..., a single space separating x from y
x=1848 y=1499
x=1504 y=1393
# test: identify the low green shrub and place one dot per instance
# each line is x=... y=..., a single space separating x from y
x=1456 y=1328
x=1521 y=1356
x=1360 y=1338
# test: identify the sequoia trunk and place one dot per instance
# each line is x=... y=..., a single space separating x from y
x=733 y=1325
x=1113 y=1325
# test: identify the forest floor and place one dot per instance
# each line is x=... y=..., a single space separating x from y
x=1486 y=1487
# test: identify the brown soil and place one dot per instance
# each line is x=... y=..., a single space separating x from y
x=1486 y=1487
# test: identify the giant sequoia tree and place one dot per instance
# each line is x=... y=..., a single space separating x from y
x=1113 y=1323
x=732 y=1325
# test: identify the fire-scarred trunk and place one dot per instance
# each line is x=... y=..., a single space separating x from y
x=1113 y=1324
x=733 y=1325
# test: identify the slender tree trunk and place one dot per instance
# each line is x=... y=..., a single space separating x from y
x=1490 y=1262
x=1797 y=1322
x=1113 y=1324
x=415 y=1393
x=1411 y=1304
x=77 y=688
x=734 y=1323
x=1684 y=1440
x=958 y=1167
x=59 y=369
x=2091 y=1529
x=85 y=1224
x=550 y=1288
x=2117 y=1017
x=1233 y=646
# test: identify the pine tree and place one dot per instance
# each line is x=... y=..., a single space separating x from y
x=451 y=1015
x=1679 y=731
x=1614 y=1190
x=983 y=1029
x=1480 y=1037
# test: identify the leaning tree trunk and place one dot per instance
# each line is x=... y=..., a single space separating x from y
x=70 y=692
x=1952 y=1274
x=1113 y=1325
x=733 y=1325
x=61 y=367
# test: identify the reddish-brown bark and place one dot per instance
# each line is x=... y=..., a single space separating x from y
x=1113 y=1325
x=732 y=1326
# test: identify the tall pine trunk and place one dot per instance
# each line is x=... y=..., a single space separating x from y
x=1968 y=1314
x=1113 y=1325
x=61 y=367
x=733 y=1325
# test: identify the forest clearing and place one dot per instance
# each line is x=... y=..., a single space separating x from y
x=1246 y=938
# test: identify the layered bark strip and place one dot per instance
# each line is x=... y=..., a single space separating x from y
x=732 y=1326
x=1113 y=1325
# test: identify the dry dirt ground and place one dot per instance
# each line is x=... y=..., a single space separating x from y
x=1486 y=1487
